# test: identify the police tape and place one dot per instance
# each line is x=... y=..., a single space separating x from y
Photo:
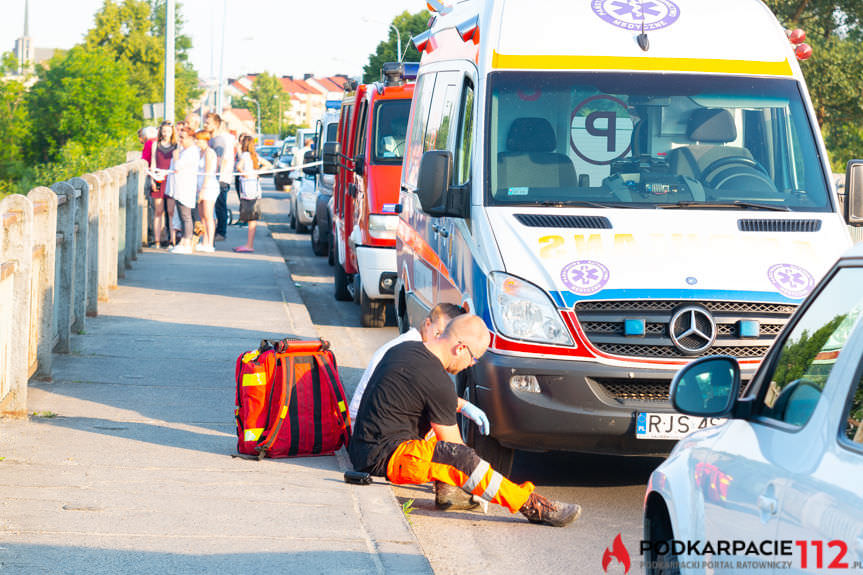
x=159 y=174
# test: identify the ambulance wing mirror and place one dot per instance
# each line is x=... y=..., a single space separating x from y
x=331 y=157
x=853 y=191
x=436 y=196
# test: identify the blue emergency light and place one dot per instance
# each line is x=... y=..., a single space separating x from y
x=748 y=328
x=634 y=327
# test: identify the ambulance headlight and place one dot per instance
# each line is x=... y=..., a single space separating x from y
x=523 y=311
x=383 y=227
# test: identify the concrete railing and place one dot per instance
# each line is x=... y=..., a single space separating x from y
x=61 y=251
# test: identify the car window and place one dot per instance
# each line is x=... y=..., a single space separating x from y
x=810 y=351
x=853 y=421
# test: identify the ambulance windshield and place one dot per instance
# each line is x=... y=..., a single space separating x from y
x=651 y=141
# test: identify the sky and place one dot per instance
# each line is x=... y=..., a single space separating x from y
x=283 y=37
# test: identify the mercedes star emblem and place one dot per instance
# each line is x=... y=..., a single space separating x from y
x=692 y=330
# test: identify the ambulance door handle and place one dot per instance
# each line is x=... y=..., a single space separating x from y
x=443 y=232
x=435 y=228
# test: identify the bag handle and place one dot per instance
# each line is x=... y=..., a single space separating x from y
x=273 y=428
x=336 y=394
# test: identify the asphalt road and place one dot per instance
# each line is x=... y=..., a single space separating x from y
x=610 y=489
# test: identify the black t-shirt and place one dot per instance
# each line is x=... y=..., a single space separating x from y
x=408 y=391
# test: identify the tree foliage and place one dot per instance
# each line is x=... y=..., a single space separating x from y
x=133 y=31
x=86 y=96
x=834 y=29
x=268 y=92
x=408 y=25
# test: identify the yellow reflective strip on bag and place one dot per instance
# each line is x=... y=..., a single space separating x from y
x=284 y=412
x=251 y=356
x=254 y=379
x=253 y=434
x=342 y=407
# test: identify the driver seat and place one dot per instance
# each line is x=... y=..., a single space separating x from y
x=711 y=129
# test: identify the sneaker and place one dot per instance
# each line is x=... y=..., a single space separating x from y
x=451 y=498
x=538 y=509
x=206 y=249
x=180 y=249
x=219 y=238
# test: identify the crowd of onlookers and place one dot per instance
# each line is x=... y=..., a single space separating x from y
x=190 y=174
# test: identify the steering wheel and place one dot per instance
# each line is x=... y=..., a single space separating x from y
x=720 y=172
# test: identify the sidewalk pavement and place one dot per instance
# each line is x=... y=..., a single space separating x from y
x=125 y=465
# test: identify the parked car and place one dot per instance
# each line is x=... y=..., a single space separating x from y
x=268 y=153
x=284 y=165
x=321 y=234
x=303 y=195
x=786 y=464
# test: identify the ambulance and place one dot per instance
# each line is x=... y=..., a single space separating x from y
x=616 y=187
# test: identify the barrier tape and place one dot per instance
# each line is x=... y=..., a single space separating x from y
x=159 y=174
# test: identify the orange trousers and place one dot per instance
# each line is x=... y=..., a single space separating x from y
x=422 y=460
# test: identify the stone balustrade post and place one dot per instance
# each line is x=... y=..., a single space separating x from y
x=43 y=277
x=64 y=283
x=16 y=255
x=94 y=201
x=120 y=174
x=82 y=243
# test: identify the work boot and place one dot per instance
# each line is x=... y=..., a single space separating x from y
x=451 y=498
x=538 y=509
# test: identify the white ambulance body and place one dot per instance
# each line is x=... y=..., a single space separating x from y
x=615 y=187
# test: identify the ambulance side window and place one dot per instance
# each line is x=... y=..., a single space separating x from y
x=419 y=119
x=461 y=158
x=442 y=116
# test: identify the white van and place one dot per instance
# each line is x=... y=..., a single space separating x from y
x=616 y=188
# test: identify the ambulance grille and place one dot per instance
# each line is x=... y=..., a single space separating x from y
x=557 y=221
x=778 y=225
x=640 y=390
x=602 y=322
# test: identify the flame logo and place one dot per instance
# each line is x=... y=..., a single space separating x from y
x=619 y=552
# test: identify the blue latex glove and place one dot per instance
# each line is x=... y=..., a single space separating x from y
x=478 y=416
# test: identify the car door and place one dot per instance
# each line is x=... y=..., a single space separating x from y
x=822 y=511
x=751 y=478
x=443 y=117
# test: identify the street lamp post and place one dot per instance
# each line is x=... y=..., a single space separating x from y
x=398 y=36
x=258 y=120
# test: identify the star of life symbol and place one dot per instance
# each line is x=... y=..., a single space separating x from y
x=633 y=14
x=790 y=280
x=584 y=277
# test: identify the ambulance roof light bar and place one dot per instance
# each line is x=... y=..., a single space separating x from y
x=439 y=7
x=469 y=29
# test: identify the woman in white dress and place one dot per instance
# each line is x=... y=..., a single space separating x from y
x=208 y=189
x=185 y=186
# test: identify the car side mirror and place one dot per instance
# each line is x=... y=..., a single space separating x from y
x=360 y=165
x=308 y=158
x=707 y=387
x=854 y=193
x=332 y=150
x=436 y=196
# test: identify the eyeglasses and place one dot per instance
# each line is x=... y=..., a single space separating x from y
x=473 y=358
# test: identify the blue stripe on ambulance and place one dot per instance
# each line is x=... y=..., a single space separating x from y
x=567 y=299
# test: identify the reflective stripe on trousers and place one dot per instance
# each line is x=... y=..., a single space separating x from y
x=422 y=460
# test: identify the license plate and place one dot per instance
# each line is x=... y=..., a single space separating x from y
x=671 y=425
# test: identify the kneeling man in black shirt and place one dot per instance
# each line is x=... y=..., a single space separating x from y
x=409 y=394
